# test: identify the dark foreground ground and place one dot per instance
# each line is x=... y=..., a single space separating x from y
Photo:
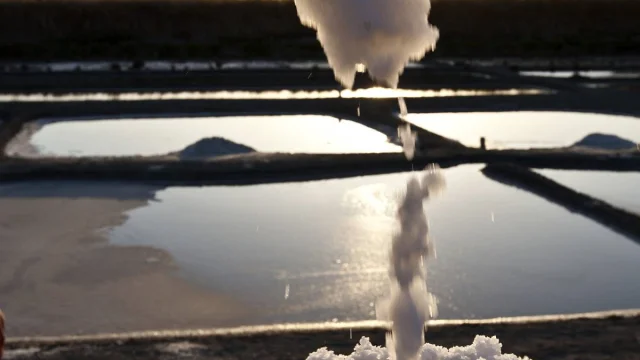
x=233 y=29
x=610 y=337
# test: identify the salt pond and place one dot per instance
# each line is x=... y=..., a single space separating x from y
x=319 y=134
x=618 y=189
x=526 y=129
x=300 y=133
x=317 y=251
x=591 y=74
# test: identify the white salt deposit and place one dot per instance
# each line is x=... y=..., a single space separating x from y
x=482 y=348
x=180 y=348
x=21 y=353
x=381 y=35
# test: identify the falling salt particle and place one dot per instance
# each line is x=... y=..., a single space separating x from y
x=358 y=109
x=403 y=107
x=493 y=217
x=408 y=139
x=257 y=228
x=350 y=333
x=286 y=292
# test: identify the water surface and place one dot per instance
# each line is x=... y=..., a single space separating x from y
x=118 y=137
x=591 y=74
x=317 y=251
x=526 y=129
x=616 y=188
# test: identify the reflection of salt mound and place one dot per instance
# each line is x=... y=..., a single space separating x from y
x=605 y=141
x=383 y=35
x=214 y=146
x=482 y=348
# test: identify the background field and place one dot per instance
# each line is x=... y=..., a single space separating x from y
x=210 y=29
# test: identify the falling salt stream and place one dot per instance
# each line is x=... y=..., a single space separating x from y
x=382 y=36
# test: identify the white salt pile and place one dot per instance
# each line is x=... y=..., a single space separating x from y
x=381 y=35
x=482 y=348
x=606 y=142
x=211 y=147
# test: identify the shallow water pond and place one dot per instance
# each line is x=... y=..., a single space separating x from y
x=317 y=251
x=119 y=137
x=616 y=188
x=591 y=74
x=526 y=129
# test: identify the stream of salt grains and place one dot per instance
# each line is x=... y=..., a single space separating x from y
x=382 y=36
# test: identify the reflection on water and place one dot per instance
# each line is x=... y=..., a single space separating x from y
x=501 y=251
x=592 y=74
x=526 y=129
x=265 y=95
x=616 y=188
x=119 y=137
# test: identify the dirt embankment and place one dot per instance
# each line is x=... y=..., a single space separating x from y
x=210 y=29
x=612 y=337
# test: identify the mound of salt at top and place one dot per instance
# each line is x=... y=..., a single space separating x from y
x=605 y=142
x=382 y=35
x=213 y=146
x=482 y=348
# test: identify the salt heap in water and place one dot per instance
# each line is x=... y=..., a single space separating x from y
x=382 y=35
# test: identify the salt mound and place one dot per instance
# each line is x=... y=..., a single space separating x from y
x=482 y=348
x=213 y=146
x=605 y=141
x=382 y=35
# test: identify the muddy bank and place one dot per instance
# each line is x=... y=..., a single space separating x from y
x=67 y=29
x=258 y=168
x=59 y=275
x=605 y=337
x=432 y=73
x=431 y=77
